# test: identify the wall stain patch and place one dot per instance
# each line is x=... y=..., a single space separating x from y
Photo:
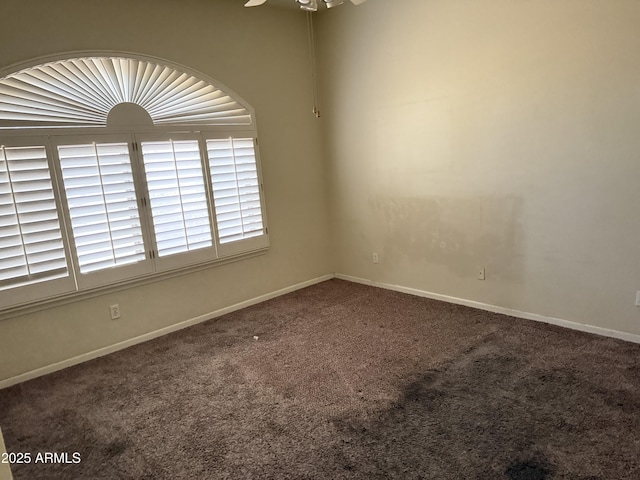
x=459 y=233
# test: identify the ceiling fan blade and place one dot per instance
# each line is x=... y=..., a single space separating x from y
x=358 y=2
x=254 y=3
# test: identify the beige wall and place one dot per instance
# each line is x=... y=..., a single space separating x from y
x=262 y=55
x=457 y=134
x=495 y=133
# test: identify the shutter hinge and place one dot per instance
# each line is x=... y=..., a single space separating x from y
x=152 y=254
x=135 y=146
x=266 y=231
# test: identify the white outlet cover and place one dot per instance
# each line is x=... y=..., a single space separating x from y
x=638 y=299
x=115 y=311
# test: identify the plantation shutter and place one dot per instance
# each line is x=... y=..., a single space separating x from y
x=102 y=203
x=81 y=92
x=236 y=189
x=177 y=195
x=31 y=246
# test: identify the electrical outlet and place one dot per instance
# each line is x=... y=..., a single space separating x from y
x=375 y=258
x=481 y=274
x=115 y=311
x=638 y=299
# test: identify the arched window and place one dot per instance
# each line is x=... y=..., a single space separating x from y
x=114 y=168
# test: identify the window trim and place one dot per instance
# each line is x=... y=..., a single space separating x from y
x=65 y=298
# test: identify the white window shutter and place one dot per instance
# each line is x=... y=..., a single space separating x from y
x=85 y=210
x=81 y=91
x=236 y=189
x=177 y=195
x=31 y=246
x=102 y=202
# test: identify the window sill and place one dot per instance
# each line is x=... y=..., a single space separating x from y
x=39 y=305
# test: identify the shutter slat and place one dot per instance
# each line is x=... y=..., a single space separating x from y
x=13 y=273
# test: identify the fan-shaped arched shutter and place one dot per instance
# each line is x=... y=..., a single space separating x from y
x=80 y=92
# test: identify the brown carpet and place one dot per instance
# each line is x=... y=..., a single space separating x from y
x=344 y=381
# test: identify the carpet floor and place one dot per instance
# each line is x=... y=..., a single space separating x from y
x=344 y=381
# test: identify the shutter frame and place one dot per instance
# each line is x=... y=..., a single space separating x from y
x=237 y=194
x=103 y=244
x=186 y=233
x=41 y=250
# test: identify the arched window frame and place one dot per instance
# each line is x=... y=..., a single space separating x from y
x=235 y=143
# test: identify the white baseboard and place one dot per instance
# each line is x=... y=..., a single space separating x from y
x=5 y=470
x=156 y=333
x=253 y=301
x=629 y=337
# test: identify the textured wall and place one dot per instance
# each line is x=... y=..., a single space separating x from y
x=458 y=134
x=262 y=55
x=493 y=133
